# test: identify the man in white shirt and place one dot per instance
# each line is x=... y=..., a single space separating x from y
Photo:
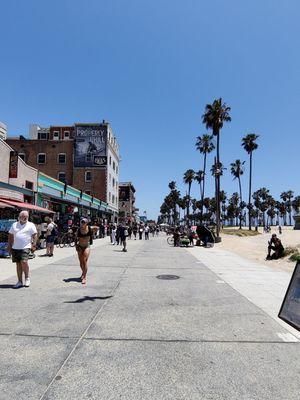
x=21 y=240
x=50 y=237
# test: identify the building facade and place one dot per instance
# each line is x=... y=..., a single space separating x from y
x=3 y=131
x=127 y=209
x=84 y=155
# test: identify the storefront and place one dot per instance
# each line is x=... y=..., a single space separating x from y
x=68 y=203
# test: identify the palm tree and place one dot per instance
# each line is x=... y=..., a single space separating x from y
x=188 y=178
x=214 y=117
x=204 y=145
x=287 y=198
x=237 y=170
x=249 y=144
x=199 y=177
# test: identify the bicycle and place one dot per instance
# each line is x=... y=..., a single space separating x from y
x=66 y=240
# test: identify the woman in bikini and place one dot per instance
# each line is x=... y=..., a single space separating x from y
x=84 y=238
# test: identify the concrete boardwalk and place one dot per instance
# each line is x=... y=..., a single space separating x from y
x=129 y=335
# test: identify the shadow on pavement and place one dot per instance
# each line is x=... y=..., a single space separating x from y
x=72 y=280
x=88 y=298
x=8 y=287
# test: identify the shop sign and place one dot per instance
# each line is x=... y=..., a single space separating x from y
x=13 y=164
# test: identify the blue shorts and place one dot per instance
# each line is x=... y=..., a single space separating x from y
x=50 y=239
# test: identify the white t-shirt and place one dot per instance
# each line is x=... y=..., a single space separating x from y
x=50 y=228
x=22 y=235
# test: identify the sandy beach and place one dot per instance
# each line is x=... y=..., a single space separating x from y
x=254 y=248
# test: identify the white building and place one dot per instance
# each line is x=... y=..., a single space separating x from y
x=3 y=131
x=113 y=161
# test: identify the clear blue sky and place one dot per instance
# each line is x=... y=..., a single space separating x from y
x=149 y=67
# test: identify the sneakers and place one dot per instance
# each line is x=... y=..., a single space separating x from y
x=18 y=285
x=27 y=282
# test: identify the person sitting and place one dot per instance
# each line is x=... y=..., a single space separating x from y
x=275 y=245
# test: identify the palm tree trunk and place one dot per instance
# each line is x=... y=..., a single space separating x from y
x=218 y=189
x=203 y=187
x=250 y=188
x=241 y=200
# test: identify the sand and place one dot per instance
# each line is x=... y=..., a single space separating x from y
x=255 y=248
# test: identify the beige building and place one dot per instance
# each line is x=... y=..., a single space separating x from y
x=18 y=181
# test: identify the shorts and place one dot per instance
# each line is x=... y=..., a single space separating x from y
x=81 y=247
x=20 y=255
x=50 y=239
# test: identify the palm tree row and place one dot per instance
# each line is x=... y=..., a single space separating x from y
x=233 y=209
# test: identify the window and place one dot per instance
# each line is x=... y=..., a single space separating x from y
x=117 y=170
x=55 y=135
x=41 y=158
x=109 y=178
x=61 y=158
x=114 y=165
x=109 y=160
x=113 y=199
x=88 y=176
x=87 y=192
x=29 y=185
x=113 y=182
x=67 y=134
x=42 y=135
x=22 y=155
x=61 y=176
x=109 y=197
x=88 y=158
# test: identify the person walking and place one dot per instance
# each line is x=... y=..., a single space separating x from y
x=123 y=236
x=113 y=234
x=83 y=241
x=141 y=230
x=134 y=231
x=147 y=232
x=21 y=241
x=51 y=235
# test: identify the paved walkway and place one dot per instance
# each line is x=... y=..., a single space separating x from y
x=128 y=335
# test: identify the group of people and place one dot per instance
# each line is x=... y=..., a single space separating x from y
x=23 y=237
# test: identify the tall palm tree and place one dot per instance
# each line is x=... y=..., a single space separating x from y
x=188 y=178
x=199 y=177
x=237 y=170
x=214 y=117
x=249 y=144
x=204 y=145
x=287 y=198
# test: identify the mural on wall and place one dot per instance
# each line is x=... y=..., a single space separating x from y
x=90 y=146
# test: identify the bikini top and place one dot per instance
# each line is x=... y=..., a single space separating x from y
x=87 y=234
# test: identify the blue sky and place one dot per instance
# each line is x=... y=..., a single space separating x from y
x=149 y=68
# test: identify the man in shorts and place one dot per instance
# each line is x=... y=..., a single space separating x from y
x=21 y=240
x=50 y=237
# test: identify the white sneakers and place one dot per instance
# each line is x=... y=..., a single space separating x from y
x=18 y=285
x=27 y=282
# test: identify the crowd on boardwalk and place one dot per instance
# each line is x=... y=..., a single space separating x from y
x=23 y=240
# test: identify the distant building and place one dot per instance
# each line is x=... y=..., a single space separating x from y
x=127 y=209
x=84 y=155
x=3 y=131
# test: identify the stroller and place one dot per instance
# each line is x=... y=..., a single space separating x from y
x=205 y=235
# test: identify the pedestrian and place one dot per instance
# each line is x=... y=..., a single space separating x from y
x=123 y=235
x=21 y=241
x=118 y=234
x=141 y=230
x=83 y=241
x=280 y=230
x=113 y=234
x=129 y=232
x=147 y=232
x=51 y=235
x=134 y=231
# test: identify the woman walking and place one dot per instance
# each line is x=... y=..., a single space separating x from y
x=84 y=238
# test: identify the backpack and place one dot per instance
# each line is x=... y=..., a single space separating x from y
x=54 y=231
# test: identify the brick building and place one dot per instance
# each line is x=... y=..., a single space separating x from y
x=84 y=155
x=127 y=209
